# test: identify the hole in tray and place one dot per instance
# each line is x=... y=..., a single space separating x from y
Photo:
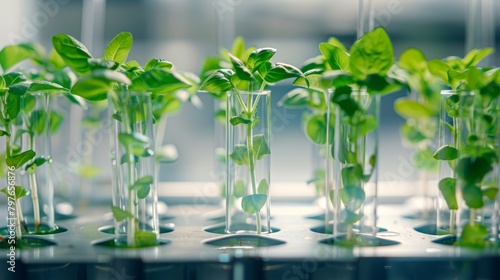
x=430 y=229
x=42 y=230
x=110 y=243
x=446 y=240
x=320 y=217
x=111 y=229
x=321 y=229
x=422 y=215
x=221 y=228
x=28 y=242
x=243 y=241
x=361 y=240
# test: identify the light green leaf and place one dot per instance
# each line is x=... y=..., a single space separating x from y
x=413 y=60
x=241 y=70
x=159 y=81
x=371 y=54
x=476 y=55
x=279 y=72
x=253 y=203
x=352 y=197
x=258 y=57
x=447 y=187
x=142 y=186
x=20 y=159
x=12 y=55
x=335 y=57
x=18 y=192
x=118 y=49
x=73 y=52
x=408 y=108
x=218 y=82
x=439 y=69
x=44 y=86
x=88 y=171
x=120 y=214
x=95 y=87
x=260 y=147
x=240 y=155
x=352 y=217
x=473 y=236
x=316 y=129
x=239 y=189
x=490 y=193
x=263 y=186
x=158 y=63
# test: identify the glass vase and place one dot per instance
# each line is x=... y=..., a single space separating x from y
x=32 y=131
x=468 y=168
x=133 y=169
x=352 y=171
x=248 y=162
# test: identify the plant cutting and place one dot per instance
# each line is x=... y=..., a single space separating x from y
x=129 y=88
x=357 y=79
x=420 y=109
x=25 y=121
x=248 y=131
x=468 y=151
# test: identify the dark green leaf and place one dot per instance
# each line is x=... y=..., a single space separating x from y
x=371 y=54
x=239 y=120
x=342 y=97
x=473 y=196
x=241 y=70
x=13 y=106
x=253 y=203
x=120 y=214
x=352 y=174
x=19 y=89
x=281 y=71
x=118 y=49
x=490 y=193
x=73 y=52
x=159 y=81
x=13 y=78
x=447 y=187
x=20 y=159
x=260 y=147
x=44 y=86
x=263 y=187
x=240 y=155
x=4 y=133
x=446 y=152
x=472 y=169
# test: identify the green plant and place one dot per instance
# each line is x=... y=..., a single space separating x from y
x=357 y=79
x=17 y=108
x=254 y=72
x=473 y=109
x=113 y=75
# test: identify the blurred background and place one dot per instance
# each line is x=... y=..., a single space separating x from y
x=186 y=31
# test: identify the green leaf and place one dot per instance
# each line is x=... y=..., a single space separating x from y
x=297 y=97
x=371 y=54
x=73 y=52
x=440 y=69
x=13 y=78
x=366 y=124
x=4 y=133
x=446 y=152
x=138 y=143
x=408 y=108
x=239 y=120
x=352 y=175
x=352 y=197
x=342 y=97
x=352 y=217
x=20 y=159
x=279 y=72
x=473 y=236
x=476 y=55
x=120 y=214
x=145 y=238
x=19 y=89
x=38 y=122
x=413 y=60
x=412 y=134
x=472 y=169
x=447 y=187
x=13 y=106
x=159 y=81
x=77 y=100
x=118 y=49
x=335 y=57
x=166 y=154
x=316 y=129
x=473 y=196
x=258 y=57
x=241 y=70
x=490 y=193
x=158 y=63
x=18 y=192
x=239 y=189
x=240 y=155
x=31 y=167
x=12 y=55
x=263 y=187
x=218 y=82
x=56 y=60
x=260 y=147
x=142 y=186
x=46 y=87
x=95 y=87
x=253 y=203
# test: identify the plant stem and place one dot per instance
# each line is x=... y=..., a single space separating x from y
x=19 y=216
x=349 y=233
x=472 y=217
x=34 y=192
x=453 y=214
